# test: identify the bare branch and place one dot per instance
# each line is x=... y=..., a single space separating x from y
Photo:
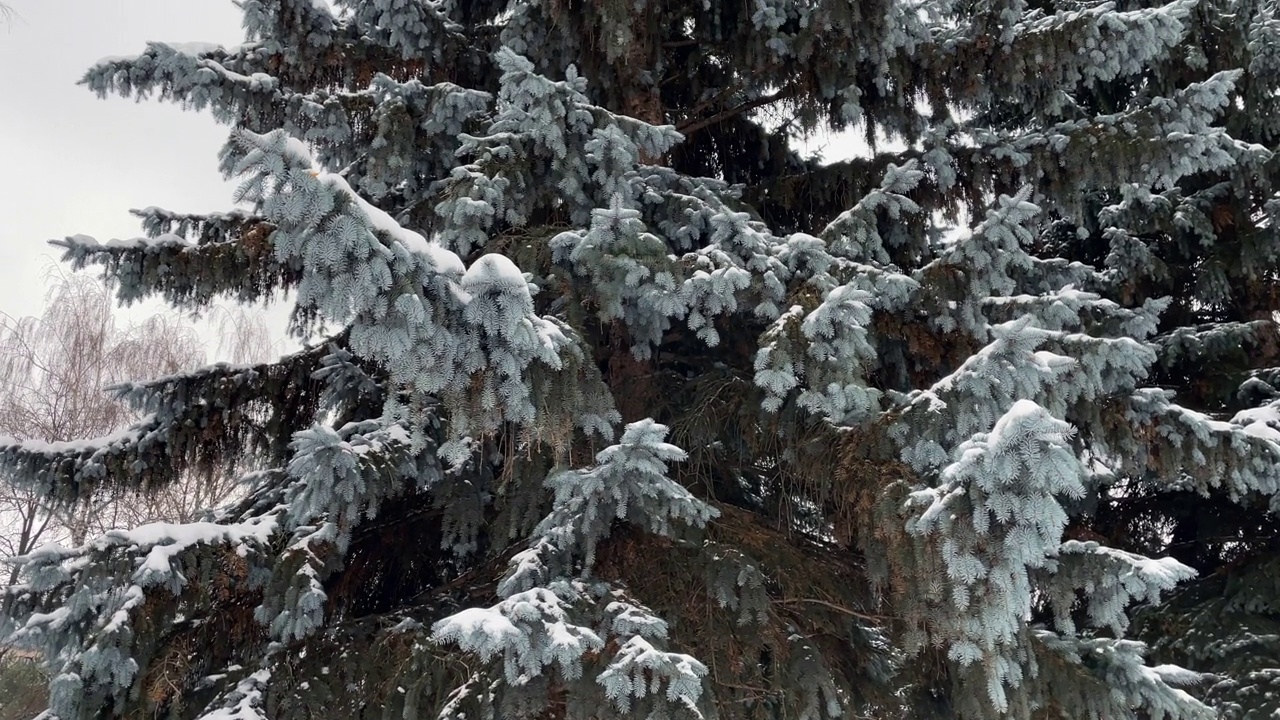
x=54 y=371
x=694 y=126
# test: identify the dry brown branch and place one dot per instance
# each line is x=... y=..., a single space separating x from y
x=832 y=606
x=693 y=126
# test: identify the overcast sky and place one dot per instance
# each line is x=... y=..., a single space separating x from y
x=71 y=163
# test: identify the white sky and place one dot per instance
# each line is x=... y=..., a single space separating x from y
x=71 y=163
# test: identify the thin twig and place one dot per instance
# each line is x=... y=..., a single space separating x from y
x=833 y=606
x=718 y=98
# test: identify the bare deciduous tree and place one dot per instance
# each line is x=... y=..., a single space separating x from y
x=243 y=336
x=54 y=371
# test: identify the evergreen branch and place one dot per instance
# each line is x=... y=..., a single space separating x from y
x=188 y=275
x=207 y=420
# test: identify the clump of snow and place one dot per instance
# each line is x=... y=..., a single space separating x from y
x=257 y=82
x=494 y=273
x=1021 y=421
x=1192 y=416
x=1262 y=422
x=1164 y=573
x=298 y=148
x=1178 y=676
x=75 y=447
x=484 y=631
x=133 y=597
x=51 y=620
x=137 y=243
x=193 y=48
x=113 y=59
x=168 y=540
x=249 y=700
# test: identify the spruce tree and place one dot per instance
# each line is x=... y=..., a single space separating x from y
x=1208 y=243
x=613 y=404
